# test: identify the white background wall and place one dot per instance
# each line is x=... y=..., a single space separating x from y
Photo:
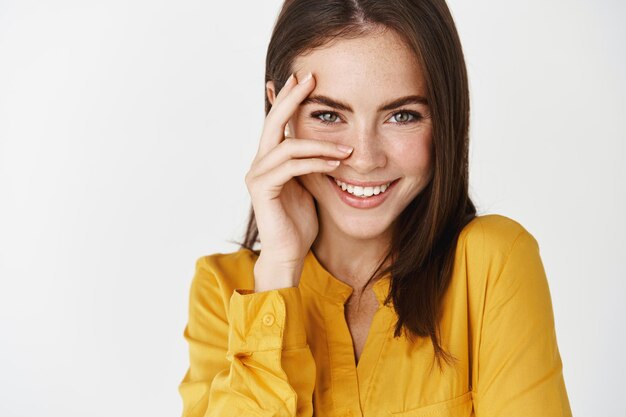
x=126 y=129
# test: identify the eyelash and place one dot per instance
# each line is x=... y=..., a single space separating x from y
x=416 y=116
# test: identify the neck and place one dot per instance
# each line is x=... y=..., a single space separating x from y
x=347 y=258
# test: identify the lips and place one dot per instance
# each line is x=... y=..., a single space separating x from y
x=361 y=202
x=362 y=183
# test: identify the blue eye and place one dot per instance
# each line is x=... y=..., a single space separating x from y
x=326 y=117
x=404 y=116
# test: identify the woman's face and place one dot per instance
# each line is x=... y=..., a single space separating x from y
x=370 y=94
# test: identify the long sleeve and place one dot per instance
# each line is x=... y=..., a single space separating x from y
x=519 y=366
x=248 y=355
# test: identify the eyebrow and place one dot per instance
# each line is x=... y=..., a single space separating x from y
x=336 y=104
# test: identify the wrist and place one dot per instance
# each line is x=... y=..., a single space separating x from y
x=269 y=276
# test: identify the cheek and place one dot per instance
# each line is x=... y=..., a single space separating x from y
x=413 y=156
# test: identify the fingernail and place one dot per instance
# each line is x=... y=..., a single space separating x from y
x=289 y=79
x=344 y=148
x=333 y=163
x=306 y=78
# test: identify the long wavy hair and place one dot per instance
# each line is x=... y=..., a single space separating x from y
x=425 y=234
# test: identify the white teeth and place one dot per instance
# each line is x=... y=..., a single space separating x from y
x=362 y=191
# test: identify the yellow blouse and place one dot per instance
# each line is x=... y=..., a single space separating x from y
x=289 y=352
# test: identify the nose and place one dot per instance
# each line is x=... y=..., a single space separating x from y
x=369 y=152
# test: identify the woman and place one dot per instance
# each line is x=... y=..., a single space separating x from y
x=374 y=267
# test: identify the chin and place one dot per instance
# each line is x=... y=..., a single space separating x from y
x=362 y=228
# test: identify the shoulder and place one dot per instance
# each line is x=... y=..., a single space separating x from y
x=217 y=275
x=494 y=233
x=487 y=242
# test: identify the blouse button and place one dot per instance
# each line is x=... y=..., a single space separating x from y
x=268 y=319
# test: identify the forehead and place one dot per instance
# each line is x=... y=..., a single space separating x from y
x=381 y=63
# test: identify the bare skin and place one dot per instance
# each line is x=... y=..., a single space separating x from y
x=359 y=318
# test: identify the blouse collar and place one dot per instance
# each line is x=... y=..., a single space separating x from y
x=317 y=278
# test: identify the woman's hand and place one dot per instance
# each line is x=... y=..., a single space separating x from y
x=284 y=210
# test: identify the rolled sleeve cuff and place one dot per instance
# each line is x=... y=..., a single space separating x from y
x=265 y=320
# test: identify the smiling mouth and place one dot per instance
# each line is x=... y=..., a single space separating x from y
x=363 y=191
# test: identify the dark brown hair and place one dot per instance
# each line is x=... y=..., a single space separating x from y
x=425 y=234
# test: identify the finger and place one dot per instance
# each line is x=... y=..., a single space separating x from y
x=286 y=107
x=279 y=115
x=273 y=181
x=287 y=86
x=292 y=148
